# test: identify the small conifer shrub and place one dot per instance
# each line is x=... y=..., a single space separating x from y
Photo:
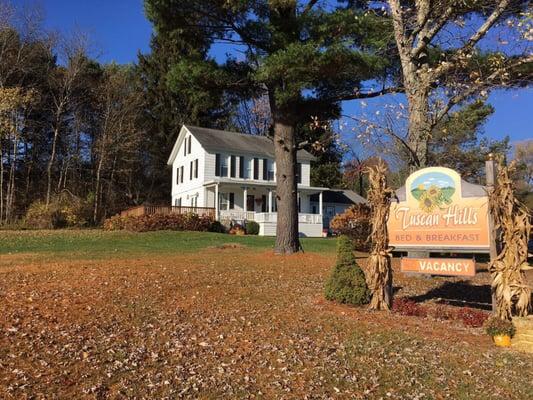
x=347 y=283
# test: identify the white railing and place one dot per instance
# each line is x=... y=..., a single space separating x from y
x=237 y=215
x=302 y=218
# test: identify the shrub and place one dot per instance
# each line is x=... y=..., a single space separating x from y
x=442 y=312
x=63 y=211
x=471 y=317
x=408 y=307
x=495 y=326
x=158 y=222
x=217 y=227
x=347 y=283
x=252 y=228
x=355 y=223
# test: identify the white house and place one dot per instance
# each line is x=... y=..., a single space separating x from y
x=239 y=170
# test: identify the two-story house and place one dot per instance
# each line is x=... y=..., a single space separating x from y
x=236 y=174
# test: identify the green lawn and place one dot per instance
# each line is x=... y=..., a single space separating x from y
x=101 y=244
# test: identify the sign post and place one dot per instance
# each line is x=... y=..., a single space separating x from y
x=490 y=174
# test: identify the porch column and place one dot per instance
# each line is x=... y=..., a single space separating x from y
x=245 y=196
x=320 y=203
x=270 y=201
x=216 y=202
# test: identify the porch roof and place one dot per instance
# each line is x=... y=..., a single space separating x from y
x=267 y=184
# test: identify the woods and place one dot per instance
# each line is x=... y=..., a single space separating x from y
x=101 y=133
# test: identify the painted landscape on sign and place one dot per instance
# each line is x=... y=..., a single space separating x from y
x=433 y=191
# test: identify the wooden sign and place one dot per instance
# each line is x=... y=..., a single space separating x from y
x=439 y=266
x=439 y=211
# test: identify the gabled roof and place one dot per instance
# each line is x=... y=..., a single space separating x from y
x=233 y=142
x=340 y=196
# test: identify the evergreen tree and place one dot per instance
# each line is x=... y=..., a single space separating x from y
x=305 y=56
x=347 y=282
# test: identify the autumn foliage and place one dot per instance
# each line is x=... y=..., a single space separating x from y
x=354 y=223
x=159 y=222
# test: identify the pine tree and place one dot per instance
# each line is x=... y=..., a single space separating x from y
x=306 y=57
x=347 y=282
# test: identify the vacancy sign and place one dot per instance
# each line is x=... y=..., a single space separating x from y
x=439 y=266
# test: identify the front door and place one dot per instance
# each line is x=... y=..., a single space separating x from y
x=330 y=213
x=250 y=202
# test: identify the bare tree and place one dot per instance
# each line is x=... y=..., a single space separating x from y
x=443 y=62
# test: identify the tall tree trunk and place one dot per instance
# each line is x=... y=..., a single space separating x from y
x=287 y=241
x=419 y=127
x=1 y=182
x=51 y=164
x=98 y=185
x=11 y=184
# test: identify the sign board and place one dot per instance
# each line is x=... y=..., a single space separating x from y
x=439 y=266
x=438 y=211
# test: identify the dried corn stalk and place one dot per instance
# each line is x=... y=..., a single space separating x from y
x=379 y=276
x=512 y=224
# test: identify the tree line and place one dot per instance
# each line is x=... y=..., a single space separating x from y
x=101 y=133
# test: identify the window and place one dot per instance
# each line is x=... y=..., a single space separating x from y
x=191 y=170
x=181 y=174
x=299 y=173
x=196 y=168
x=263 y=203
x=223 y=201
x=194 y=201
x=248 y=170
x=217 y=164
x=224 y=166
x=177 y=202
x=256 y=168
x=241 y=167
x=231 y=201
x=233 y=167
x=177 y=176
x=271 y=170
x=189 y=145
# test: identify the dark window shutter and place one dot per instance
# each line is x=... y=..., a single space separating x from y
x=190 y=142
x=232 y=166
x=191 y=171
x=256 y=168
x=241 y=167
x=185 y=147
x=299 y=173
x=265 y=169
x=217 y=165
x=196 y=168
x=177 y=176
x=181 y=174
x=231 y=201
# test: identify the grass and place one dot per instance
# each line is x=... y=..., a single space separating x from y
x=99 y=244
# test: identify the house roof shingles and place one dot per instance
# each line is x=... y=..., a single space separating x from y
x=340 y=196
x=215 y=139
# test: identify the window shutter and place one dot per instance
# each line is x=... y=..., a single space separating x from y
x=181 y=174
x=196 y=168
x=189 y=145
x=217 y=165
x=241 y=167
x=177 y=176
x=191 y=171
x=231 y=201
x=232 y=166
x=299 y=172
x=265 y=169
x=185 y=147
x=256 y=168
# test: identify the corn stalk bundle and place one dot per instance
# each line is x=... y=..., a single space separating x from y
x=512 y=227
x=379 y=276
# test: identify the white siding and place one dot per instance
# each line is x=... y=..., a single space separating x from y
x=189 y=187
x=306 y=173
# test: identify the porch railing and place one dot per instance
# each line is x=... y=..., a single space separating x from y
x=302 y=218
x=237 y=215
x=165 y=210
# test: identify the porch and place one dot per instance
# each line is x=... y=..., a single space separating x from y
x=239 y=202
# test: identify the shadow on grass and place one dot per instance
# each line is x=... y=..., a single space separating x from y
x=460 y=294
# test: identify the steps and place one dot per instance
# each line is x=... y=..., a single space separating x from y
x=523 y=339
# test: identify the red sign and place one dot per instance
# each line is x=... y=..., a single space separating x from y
x=439 y=266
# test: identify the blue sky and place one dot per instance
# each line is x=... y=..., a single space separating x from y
x=120 y=30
